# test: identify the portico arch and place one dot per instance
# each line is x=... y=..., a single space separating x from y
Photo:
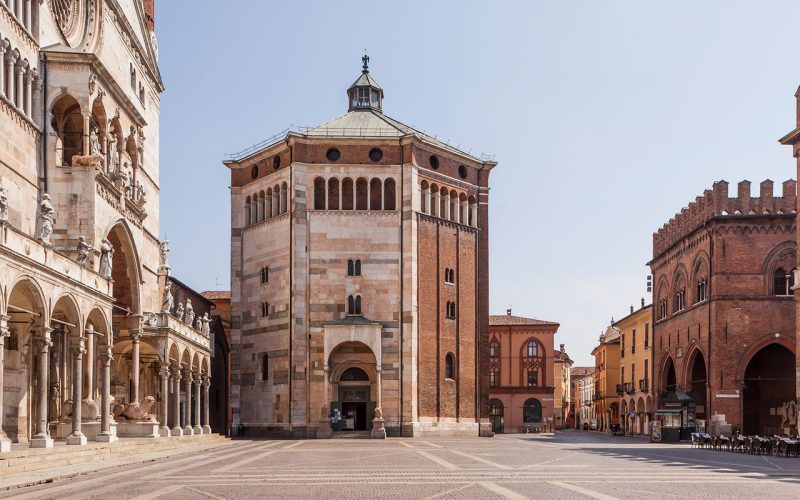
x=355 y=391
x=125 y=270
x=768 y=383
x=696 y=380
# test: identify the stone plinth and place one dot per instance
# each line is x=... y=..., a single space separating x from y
x=90 y=429
x=5 y=444
x=378 y=431
x=41 y=442
x=137 y=428
x=324 y=430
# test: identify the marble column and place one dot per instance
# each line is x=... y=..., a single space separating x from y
x=177 y=430
x=19 y=86
x=206 y=404
x=198 y=429
x=41 y=437
x=28 y=20
x=77 y=349
x=106 y=436
x=187 y=414
x=87 y=151
x=135 y=337
x=10 y=63
x=3 y=48
x=89 y=375
x=473 y=210
x=26 y=101
x=164 y=372
x=5 y=442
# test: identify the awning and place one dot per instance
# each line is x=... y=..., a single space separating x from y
x=668 y=411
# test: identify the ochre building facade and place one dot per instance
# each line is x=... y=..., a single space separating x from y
x=359 y=280
x=635 y=370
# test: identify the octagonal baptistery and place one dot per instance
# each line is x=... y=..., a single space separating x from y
x=359 y=280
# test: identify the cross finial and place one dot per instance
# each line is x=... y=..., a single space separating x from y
x=365 y=59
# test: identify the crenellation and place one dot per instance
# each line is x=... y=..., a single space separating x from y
x=716 y=203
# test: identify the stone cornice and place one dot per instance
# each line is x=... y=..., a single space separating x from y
x=22 y=120
x=12 y=20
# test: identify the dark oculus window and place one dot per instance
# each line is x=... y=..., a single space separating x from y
x=254 y=171
x=434 y=161
x=333 y=154
x=276 y=162
x=462 y=171
x=375 y=154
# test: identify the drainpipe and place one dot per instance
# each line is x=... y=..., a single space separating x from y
x=400 y=204
x=43 y=179
x=291 y=287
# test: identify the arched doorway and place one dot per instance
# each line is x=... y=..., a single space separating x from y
x=668 y=380
x=125 y=273
x=532 y=411
x=496 y=415
x=769 y=381
x=697 y=380
x=355 y=389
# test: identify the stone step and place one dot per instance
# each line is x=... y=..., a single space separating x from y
x=22 y=459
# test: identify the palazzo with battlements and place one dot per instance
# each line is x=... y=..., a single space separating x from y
x=359 y=280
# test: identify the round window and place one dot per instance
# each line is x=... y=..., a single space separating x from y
x=333 y=154
x=276 y=162
x=462 y=171
x=434 y=161
x=254 y=171
x=375 y=154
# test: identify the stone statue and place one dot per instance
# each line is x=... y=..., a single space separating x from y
x=113 y=158
x=179 y=312
x=3 y=204
x=90 y=410
x=84 y=249
x=189 y=315
x=206 y=330
x=94 y=158
x=164 y=249
x=48 y=215
x=199 y=324
x=378 y=413
x=168 y=300
x=106 y=255
x=135 y=410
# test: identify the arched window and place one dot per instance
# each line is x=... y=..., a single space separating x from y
x=473 y=212
x=347 y=194
x=375 y=194
x=532 y=364
x=268 y=204
x=276 y=201
x=260 y=203
x=783 y=282
x=319 y=193
x=357 y=268
x=350 y=267
x=702 y=290
x=354 y=374
x=495 y=408
x=450 y=366
x=443 y=203
x=424 y=198
x=247 y=218
x=662 y=309
x=358 y=304
x=532 y=411
x=333 y=194
x=389 y=195
x=361 y=194
x=284 y=198
x=494 y=348
x=354 y=304
x=265 y=367
x=454 y=207
x=434 y=200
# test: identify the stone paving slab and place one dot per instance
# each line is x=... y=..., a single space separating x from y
x=568 y=465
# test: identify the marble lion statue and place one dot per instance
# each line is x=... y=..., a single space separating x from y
x=135 y=410
x=94 y=160
x=90 y=410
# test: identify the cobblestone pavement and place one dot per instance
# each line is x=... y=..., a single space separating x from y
x=573 y=464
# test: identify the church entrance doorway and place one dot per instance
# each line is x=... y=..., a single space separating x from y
x=354 y=409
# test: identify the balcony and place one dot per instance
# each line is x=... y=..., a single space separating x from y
x=620 y=389
x=598 y=396
x=166 y=324
x=644 y=385
x=629 y=387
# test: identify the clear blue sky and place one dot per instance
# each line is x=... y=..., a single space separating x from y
x=606 y=119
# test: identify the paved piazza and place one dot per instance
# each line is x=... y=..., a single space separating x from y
x=574 y=464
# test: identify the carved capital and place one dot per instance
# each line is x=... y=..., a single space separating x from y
x=42 y=339
x=106 y=354
x=78 y=346
x=164 y=370
x=136 y=335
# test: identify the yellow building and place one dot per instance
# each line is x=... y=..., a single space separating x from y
x=606 y=364
x=562 y=393
x=635 y=369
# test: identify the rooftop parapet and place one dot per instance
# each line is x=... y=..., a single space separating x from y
x=716 y=203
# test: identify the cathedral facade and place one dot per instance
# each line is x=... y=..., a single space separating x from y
x=87 y=311
x=359 y=280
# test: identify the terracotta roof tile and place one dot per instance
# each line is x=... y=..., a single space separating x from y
x=216 y=294
x=506 y=320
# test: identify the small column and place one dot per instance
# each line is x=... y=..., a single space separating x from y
x=187 y=414
x=135 y=337
x=19 y=86
x=89 y=375
x=26 y=105
x=206 y=404
x=198 y=429
x=164 y=372
x=5 y=442
x=474 y=214
x=378 y=429
x=106 y=435
x=87 y=151
x=3 y=47
x=436 y=205
x=10 y=63
x=177 y=430
x=28 y=21
x=41 y=438
x=77 y=348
